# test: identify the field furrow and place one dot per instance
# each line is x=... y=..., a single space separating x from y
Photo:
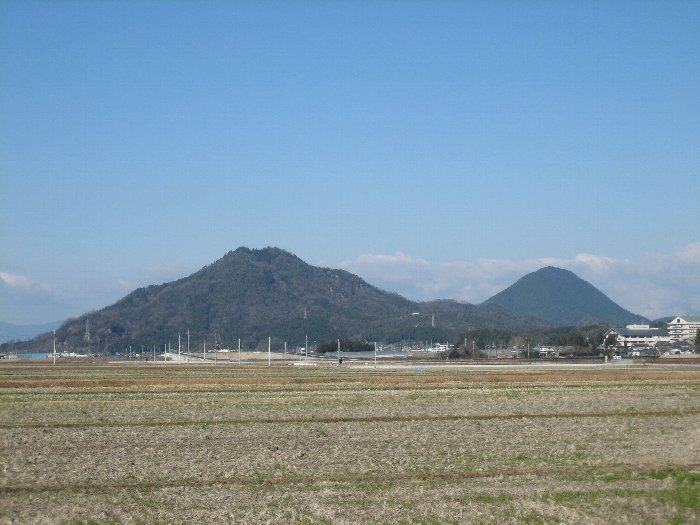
x=349 y=445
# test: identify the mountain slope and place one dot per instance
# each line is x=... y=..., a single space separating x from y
x=256 y=294
x=562 y=298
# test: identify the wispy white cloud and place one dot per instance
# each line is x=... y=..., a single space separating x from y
x=655 y=285
x=690 y=254
x=25 y=300
x=15 y=280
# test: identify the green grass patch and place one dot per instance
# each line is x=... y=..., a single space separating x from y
x=681 y=496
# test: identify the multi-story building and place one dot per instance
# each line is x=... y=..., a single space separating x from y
x=638 y=335
x=683 y=328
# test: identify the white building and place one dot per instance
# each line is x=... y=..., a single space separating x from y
x=685 y=327
x=546 y=351
x=638 y=335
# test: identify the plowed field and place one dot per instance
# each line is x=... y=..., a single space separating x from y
x=100 y=443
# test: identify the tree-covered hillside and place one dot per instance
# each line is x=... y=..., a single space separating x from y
x=256 y=294
x=561 y=298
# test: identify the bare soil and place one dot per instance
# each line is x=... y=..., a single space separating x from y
x=176 y=444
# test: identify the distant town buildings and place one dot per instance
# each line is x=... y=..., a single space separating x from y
x=683 y=328
x=636 y=335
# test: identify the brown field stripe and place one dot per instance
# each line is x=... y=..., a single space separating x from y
x=274 y=382
x=351 y=419
x=447 y=476
x=347 y=387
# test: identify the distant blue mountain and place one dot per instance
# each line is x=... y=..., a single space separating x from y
x=16 y=332
x=561 y=298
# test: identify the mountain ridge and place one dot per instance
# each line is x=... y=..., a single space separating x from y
x=560 y=297
x=253 y=294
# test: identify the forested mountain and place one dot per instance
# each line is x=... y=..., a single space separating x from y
x=561 y=298
x=256 y=294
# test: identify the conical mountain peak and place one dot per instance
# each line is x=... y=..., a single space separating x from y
x=560 y=297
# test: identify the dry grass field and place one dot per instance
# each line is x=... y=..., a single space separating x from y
x=104 y=443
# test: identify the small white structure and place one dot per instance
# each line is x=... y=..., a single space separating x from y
x=683 y=328
x=546 y=351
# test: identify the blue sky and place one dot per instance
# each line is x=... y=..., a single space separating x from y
x=437 y=149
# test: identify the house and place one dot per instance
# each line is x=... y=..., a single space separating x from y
x=638 y=335
x=546 y=351
x=683 y=328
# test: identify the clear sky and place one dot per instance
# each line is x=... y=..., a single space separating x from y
x=437 y=149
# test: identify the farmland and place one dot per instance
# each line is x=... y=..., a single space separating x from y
x=133 y=443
